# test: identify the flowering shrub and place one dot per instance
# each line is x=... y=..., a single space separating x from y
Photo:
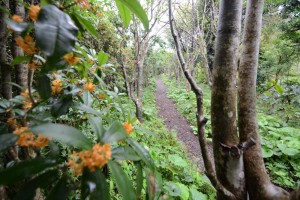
x=66 y=85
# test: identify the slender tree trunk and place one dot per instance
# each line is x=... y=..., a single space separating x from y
x=228 y=159
x=258 y=182
x=6 y=89
x=21 y=70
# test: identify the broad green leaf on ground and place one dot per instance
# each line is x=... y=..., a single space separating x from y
x=125 y=153
x=142 y=152
x=42 y=181
x=122 y=181
x=102 y=58
x=267 y=153
x=86 y=24
x=177 y=160
x=7 y=140
x=25 y=169
x=65 y=134
x=55 y=32
x=114 y=133
x=137 y=9
x=196 y=195
x=125 y=13
x=60 y=191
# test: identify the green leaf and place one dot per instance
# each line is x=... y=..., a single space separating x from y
x=42 y=181
x=137 y=9
x=7 y=140
x=24 y=170
x=97 y=127
x=55 y=33
x=44 y=86
x=20 y=59
x=122 y=181
x=102 y=58
x=125 y=153
x=87 y=109
x=196 y=195
x=17 y=27
x=86 y=24
x=60 y=191
x=139 y=179
x=279 y=89
x=87 y=99
x=61 y=106
x=142 y=152
x=125 y=13
x=267 y=153
x=65 y=134
x=114 y=132
x=94 y=183
x=185 y=193
x=177 y=161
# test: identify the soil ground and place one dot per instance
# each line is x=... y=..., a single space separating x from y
x=174 y=121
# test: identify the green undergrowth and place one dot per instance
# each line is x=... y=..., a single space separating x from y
x=280 y=142
x=180 y=178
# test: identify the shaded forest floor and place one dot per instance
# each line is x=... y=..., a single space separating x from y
x=174 y=121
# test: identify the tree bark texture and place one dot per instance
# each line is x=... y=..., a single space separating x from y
x=21 y=70
x=229 y=163
x=258 y=182
x=6 y=89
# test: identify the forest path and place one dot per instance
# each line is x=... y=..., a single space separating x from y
x=174 y=121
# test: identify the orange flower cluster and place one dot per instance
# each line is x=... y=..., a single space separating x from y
x=27 y=139
x=84 y=4
x=27 y=44
x=71 y=59
x=34 y=12
x=56 y=86
x=128 y=127
x=92 y=159
x=27 y=104
x=89 y=86
x=17 y=18
x=101 y=96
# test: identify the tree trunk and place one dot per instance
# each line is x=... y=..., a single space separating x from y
x=6 y=89
x=228 y=159
x=21 y=70
x=258 y=182
x=139 y=103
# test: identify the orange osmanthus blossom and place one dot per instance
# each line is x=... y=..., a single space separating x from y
x=56 y=86
x=91 y=159
x=89 y=86
x=71 y=59
x=27 y=44
x=17 y=18
x=128 y=127
x=27 y=104
x=26 y=138
x=84 y=4
x=101 y=96
x=41 y=141
x=34 y=12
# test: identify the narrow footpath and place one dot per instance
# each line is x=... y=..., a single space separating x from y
x=174 y=121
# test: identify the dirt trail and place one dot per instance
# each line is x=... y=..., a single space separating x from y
x=174 y=121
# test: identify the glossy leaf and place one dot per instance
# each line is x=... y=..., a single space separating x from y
x=55 y=32
x=7 y=140
x=44 y=86
x=97 y=127
x=125 y=153
x=125 y=13
x=114 y=132
x=87 y=109
x=65 y=134
x=17 y=27
x=122 y=181
x=42 y=181
x=60 y=191
x=142 y=152
x=24 y=170
x=61 y=106
x=139 y=179
x=86 y=24
x=102 y=58
x=137 y=9
x=94 y=183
